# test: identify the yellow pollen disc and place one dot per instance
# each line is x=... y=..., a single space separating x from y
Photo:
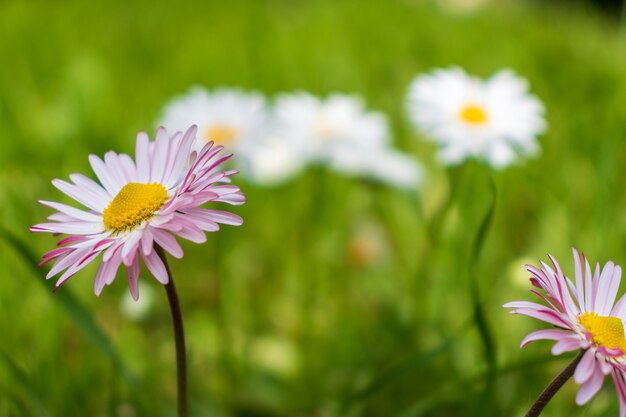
x=605 y=331
x=221 y=134
x=324 y=127
x=473 y=114
x=133 y=204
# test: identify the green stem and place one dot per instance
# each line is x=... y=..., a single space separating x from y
x=179 y=336
x=554 y=386
x=479 y=313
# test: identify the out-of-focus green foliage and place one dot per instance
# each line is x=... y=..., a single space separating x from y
x=337 y=297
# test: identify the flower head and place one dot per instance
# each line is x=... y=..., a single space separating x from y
x=340 y=132
x=228 y=117
x=321 y=127
x=585 y=316
x=138 y=204
x=495 y=120
x=241 y=122
x=276 y=161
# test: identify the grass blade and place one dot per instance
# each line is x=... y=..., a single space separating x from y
x=19 y=376
x=72 y=306
x=396 y=371
x=480 y=319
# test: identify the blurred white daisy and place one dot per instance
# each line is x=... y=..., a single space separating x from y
x=241 y=122
x=496 y=120
x=231 y=118
x=341 y=132
x=274 y=162
x=320 y=127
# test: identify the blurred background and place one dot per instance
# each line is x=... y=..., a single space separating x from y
x=338 y=296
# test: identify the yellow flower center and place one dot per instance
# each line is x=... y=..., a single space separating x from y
x=221 y=134
x=325 y=128
x=133 y=204
x=473 y=114
x=605 y=331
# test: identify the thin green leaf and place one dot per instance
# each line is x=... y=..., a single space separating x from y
x=72 y=306
x=457 y=391
x=410 y=365
x=19 y=376
x=480 y=318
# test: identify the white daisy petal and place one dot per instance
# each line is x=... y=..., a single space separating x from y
x=142 y=155
x=103 y=174
x=73 y=212
x=155 y=265
x=227 y=116
x=96 y=203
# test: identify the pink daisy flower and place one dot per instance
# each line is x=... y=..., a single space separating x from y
x=139 y=204
x=585 y=316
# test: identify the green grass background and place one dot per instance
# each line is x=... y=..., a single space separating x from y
x=286 y=315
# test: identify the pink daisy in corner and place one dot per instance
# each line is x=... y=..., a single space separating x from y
x=139 y=204
x=585 y=316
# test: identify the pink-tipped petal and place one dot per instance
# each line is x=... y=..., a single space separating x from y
x=155 y=265
x=70 y=228
x=620 y=387
x=588 y=287
x=142 y=155
x=72 y=270
x=168 y=242
x=104 y=176
x=224 y=217
x=610 y=352
x=66 y=261
x=77 y=214
x=193 y=234
x=585 y=368
x=129 y=249
x=619 y=309
x=546 y=334
x=159 y=157
x=546 y=315
x=132 y=273
x=90 y=188
x=147 y=241
x=96 y=204
x=580 y=289
x=608 y=285
x=567 y=345
x=129 y=170
x=106 y=273
x=590 y=387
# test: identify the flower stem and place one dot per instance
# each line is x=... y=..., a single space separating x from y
x=554 y=386
x=179 y=335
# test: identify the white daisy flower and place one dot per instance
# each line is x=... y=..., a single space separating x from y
x=340 y=132
x=319 y=128
x=496 y=120
x=229 y=117
x=273 y=163
x=241 y=122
